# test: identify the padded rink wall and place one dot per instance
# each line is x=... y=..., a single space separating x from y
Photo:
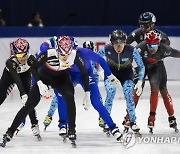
x=98 y=34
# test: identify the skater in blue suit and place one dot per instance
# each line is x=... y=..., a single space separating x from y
x=119 y=57
x=88 y=55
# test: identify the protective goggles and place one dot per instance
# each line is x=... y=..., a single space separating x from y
x=20 y=55
x=118 y=43
x=62 y=54
x=152 y=45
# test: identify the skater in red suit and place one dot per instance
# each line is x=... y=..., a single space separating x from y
x=153 y=51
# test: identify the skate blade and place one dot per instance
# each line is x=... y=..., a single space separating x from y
x=39 y=137
x=126 y=130
x=73 y=143
x=151 y=130
x=138 y=134
x=64 y=137
x=176 y=130
x=108 y=134
x=104 y=130
x=2 y=145
x=17 y=131
x=45 y=127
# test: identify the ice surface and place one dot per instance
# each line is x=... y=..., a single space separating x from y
x=90 y=138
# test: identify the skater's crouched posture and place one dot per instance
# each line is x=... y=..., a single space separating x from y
x=88 y=56
x=17 y=71
x=54 y=72
x=119 y=57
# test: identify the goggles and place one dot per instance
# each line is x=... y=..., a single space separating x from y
x=152 y=45
x=20 y=55
x=118 y=43
x=62 y=54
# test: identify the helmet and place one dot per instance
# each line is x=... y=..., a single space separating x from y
x=75 y=44
x=19 y=47
x=64 y=45
x=147 y=18
x=89 y=44
x=118 y=36
x=153 y=37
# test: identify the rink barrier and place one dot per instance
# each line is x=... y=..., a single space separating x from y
x=80 y=31
x=98 y=34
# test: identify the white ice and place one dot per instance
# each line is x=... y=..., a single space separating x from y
x=90 y=138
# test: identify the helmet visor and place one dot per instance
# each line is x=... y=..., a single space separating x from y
x=152 y=45
x=116 y=42
x=20 y=55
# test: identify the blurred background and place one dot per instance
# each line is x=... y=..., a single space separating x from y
x=89 y=12
x=37 y=20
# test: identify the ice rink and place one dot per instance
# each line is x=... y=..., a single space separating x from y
x=90 y=138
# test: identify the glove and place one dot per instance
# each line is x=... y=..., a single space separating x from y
x=43 y=89
x=87 y=101
x=114 y=81
x=24 y=99
x=49 y=95
x=138 y=88
x=101 y=74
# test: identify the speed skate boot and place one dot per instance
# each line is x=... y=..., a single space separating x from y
x=172 y=123
x=63 y=132
x=47 y=121
x=126 y=124
x=135 y=129
x=117 y=134
x=6 y=138
x=36 y=131
x=101 y=122
x=151 y=122
x=72 y=136
x=20 y=127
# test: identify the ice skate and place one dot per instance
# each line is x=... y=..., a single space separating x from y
x=36 y=131
x=117 y=134
x=63 y=132
x=135 y=129
x=173 y=124
x=20 y=127
x=6 y=138
x=126 y=139
x=151 y=126
x=101 y=122
x=126 y=124
x=72 y=137
x=151 y=121
x=47 y=121
x=106 y=130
